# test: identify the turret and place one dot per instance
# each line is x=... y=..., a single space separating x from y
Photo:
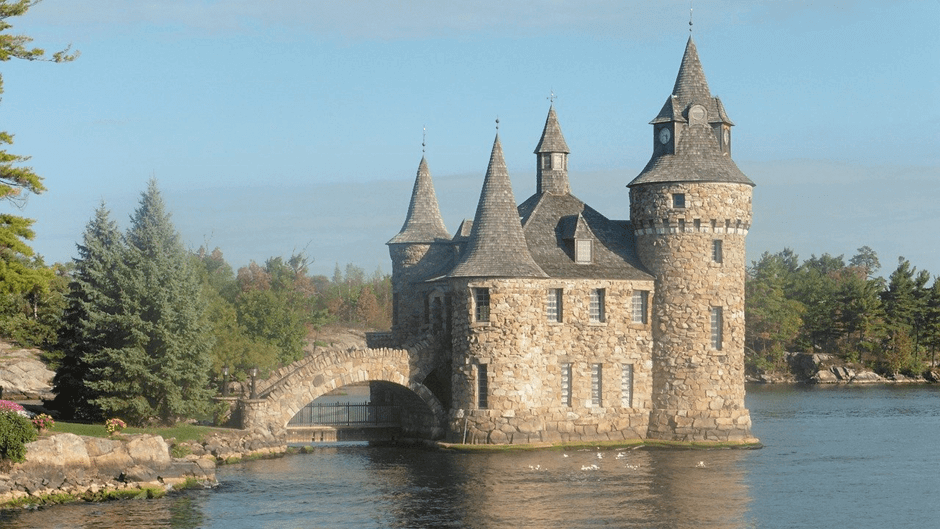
x=421 y=249
x=552 y=158
x=690 y=209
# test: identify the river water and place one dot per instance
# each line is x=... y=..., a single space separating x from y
x=833 y=457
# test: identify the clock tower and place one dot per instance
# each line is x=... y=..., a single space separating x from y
x=690 y=209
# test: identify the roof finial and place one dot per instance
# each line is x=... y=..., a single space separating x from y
x=551 y=98
x=424 y=135
x=690 y=17
x=497 y=124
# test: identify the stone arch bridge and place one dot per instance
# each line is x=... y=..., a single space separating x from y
x=401 y=371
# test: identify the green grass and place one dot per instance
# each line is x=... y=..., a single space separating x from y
x=181 y=432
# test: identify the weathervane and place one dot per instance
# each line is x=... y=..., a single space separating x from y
x=424 y=135
x=497 y=124
x=690 y=16
x=551 y=98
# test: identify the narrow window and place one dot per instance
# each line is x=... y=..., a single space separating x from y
x=566 y=385
x=553 y=305
x=681 y=225
x=678 y=200
x=482 y=387
x=597 y=385
x=597 y=306
x=395 y=301
x=626 y=386
x=716 y=251
x=640 y=305
x=698 y=224
x=716 y=324
x=582 y=251
x=547 y=161
x=481 y=298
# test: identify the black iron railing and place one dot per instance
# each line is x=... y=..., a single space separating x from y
x=346 y=414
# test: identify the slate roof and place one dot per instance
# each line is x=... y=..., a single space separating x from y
x=697 y=156
x=423 y=224
x=550 y=222
x=552 y=140
x=497 y=246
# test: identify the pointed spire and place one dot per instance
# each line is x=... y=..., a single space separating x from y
x=552 y=140
x=691 y=84
x=423 y=223
x=497 y=245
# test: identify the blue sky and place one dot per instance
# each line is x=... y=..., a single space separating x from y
x=274 y=127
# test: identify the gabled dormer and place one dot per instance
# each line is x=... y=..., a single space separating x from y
x=578 y=237
x=552 y=158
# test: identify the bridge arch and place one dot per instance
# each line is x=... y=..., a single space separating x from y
x=290 y=389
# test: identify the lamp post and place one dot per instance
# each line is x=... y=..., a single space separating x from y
x=253 y=373
x=225 y=381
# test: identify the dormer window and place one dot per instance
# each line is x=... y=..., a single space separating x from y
x=582 y=251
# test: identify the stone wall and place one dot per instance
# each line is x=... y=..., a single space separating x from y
x=524 y=354
x=411 y=264
x=698 y=391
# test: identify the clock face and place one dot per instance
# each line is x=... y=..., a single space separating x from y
x=664 y=135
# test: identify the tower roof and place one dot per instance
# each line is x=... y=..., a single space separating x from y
x=552 y=140
x=697 y=156
x=691 y=88
x=497 y=246
x=423 y=223
x=691 y=84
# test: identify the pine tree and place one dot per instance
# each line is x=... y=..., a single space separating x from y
x=161 y=368
x=17 y=181
x=91 y=305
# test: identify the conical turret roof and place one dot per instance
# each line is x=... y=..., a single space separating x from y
x=691 y=84
x=697 y=156
x=423 y=224
x=497 y=245
x=552 y=140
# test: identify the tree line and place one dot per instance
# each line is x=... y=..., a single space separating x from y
x=137 y=326
x=826 y=304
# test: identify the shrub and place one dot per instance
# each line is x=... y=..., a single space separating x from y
x=43 y=422
x=114 y=425
x=15 y=432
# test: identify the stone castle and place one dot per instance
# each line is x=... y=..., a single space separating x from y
x=555 y=323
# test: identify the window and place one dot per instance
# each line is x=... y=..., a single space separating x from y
x=566 y=385
x=558 y=161
x=597 y=385
x=597 y=306
x=716 y=324
x=640 y=305
x=626 y=386
x=716 y=251
x=678 y=200
x=582 y=251
x=547 y=161
x=481 y=299
x=395 y=301
x=553 y=305
x=482 y=387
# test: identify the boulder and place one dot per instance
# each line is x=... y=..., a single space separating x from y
x=23 y=376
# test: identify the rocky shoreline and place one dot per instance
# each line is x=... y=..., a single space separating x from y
x=822 y=368
x=68 y=467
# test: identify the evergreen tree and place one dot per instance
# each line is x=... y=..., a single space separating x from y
x=17 y=181
x=160 y=366
x=91 y=307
